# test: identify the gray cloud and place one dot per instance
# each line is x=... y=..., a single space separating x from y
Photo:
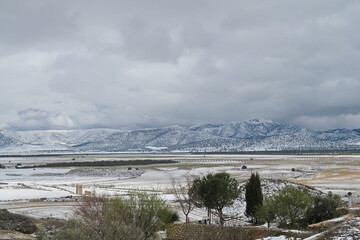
x=31 y=119
x=129 y=64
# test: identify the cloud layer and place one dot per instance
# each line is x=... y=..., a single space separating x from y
x=130 y=64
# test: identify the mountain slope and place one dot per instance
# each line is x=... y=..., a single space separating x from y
x=252 y=135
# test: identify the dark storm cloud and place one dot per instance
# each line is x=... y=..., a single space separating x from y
x=128 y=64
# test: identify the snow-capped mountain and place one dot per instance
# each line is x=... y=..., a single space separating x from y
x=252 y=129
x=252 y=135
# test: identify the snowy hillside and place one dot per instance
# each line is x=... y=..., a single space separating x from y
x=252 y=135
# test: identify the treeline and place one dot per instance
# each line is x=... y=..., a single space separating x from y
x=284 y=152
x=100 y=163
x=292 y=207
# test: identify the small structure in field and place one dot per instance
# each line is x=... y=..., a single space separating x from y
x=79 y=189
x=349 y=195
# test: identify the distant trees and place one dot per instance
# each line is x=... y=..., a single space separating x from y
x=253 y=196
x=215 y=191
x=100 y=163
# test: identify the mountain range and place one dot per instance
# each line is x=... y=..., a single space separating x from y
x=252 y=135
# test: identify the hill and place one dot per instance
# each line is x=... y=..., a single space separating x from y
x=252 y=135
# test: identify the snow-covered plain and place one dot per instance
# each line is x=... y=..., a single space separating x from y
x=22 y=189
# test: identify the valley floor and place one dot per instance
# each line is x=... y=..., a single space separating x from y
x=50 y=192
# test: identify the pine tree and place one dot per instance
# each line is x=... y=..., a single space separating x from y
x=253 y=196
x=215 y=191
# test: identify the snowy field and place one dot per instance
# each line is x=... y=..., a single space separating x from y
x=41 y=192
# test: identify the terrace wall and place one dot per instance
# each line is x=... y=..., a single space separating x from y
x=215 y=232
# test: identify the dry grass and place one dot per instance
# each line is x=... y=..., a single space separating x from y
x=337 y=174
x=13 y=235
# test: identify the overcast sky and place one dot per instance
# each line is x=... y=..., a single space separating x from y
x=134 y=64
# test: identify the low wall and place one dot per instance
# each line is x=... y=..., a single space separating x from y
x=215 y=232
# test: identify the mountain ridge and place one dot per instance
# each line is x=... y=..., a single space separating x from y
x=251 y=135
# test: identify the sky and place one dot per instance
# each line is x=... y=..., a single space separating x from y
x=137 y=64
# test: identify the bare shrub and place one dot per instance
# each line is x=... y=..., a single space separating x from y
x=181 y=193
x=140 y=216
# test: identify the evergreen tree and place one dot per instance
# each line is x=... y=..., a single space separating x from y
x=253 y=196
x=215 y=191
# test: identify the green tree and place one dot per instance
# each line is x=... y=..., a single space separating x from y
x=291 y=206
x=267 y=210
x=215 y=191
x=253 y=196
x=324 y=207
x=138 y=217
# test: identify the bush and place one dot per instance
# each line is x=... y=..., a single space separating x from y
x=289 y=207
x=140 y=216
x=324 y=207
x=16 y=222
x=295 y=208
x=267 y=211
x=292 y=207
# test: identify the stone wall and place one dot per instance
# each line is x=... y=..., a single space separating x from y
x=215 y=232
